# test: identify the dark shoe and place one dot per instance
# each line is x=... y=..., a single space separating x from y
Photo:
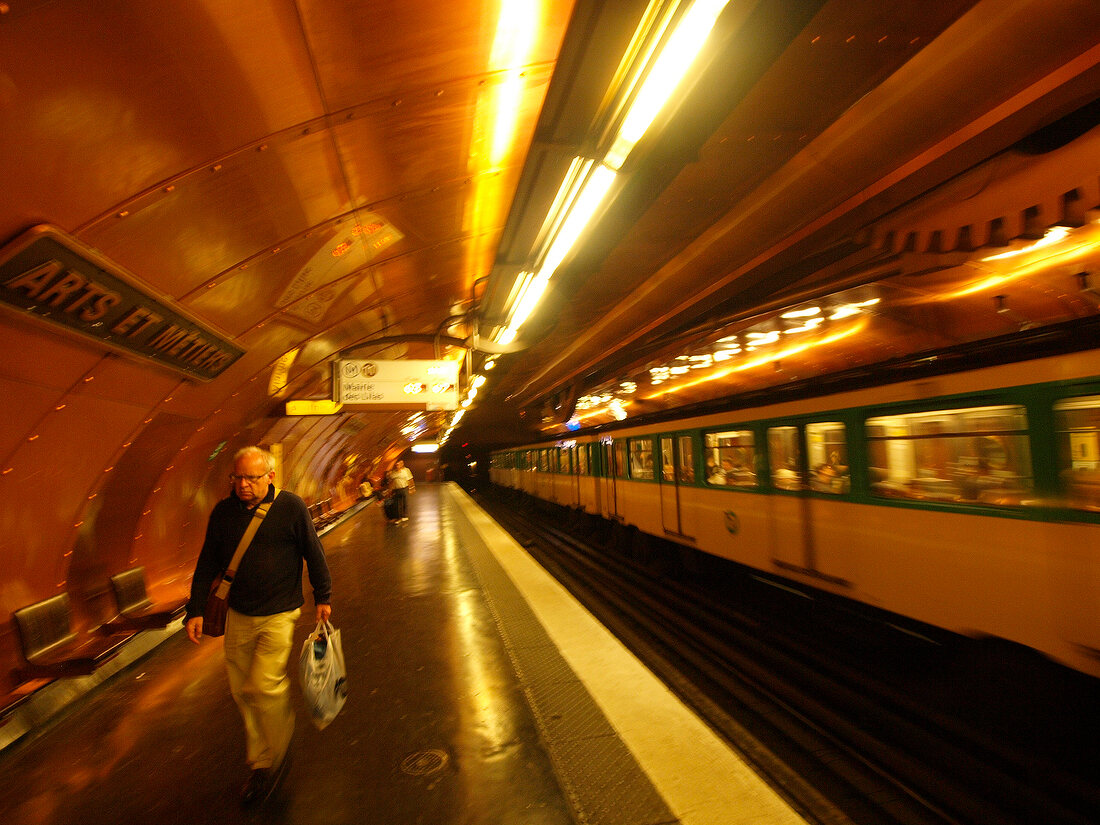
x=277 y=774
x=257 y=786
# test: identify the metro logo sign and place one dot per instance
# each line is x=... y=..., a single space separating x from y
x=396 y=385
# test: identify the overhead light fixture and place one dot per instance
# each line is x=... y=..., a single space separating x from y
x=660 y=76
x=649 y=83
x=425 y=447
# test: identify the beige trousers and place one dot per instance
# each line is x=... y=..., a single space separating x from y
x=257 y=649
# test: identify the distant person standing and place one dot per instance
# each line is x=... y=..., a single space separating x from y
x=401 y=483
x=264 y=602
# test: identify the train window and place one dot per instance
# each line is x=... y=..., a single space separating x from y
x=731 y=458
x=619 y=457
x=1078 y=427
x=686 y=470
x=582 y=459
x=827 y=456
x=677 y=459
x=544 y=461
x=785 y=458
x=668 y=460
x=641 y=458
x=978 y=455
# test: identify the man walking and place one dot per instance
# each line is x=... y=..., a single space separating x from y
x=401 y=482
x=265 y=600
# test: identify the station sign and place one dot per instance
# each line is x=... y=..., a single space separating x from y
x=51 y=276
x=396 y=385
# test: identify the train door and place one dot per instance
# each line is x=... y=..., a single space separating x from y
x=575 y=473
x=572 y=478
x=677 y=469
x=594 y=459
x=613 y=455
x=803 y=460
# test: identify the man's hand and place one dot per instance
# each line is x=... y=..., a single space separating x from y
x=194 y=629
x=323 y=612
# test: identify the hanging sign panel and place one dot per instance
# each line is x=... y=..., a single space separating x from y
x=51 y=276
x=396 y=385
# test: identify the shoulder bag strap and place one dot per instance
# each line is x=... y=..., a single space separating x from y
x=254 y=525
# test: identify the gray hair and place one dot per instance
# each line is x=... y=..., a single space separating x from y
x=268 y=458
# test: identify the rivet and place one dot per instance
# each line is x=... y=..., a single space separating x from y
x=217 y=167
x=123 y=213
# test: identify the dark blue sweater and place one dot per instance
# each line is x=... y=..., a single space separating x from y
x=269 y=579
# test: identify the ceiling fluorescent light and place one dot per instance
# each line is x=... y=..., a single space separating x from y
x=584 y=189
x=580 y=211
x=664 y=75
x=425 y=447
x=528 y=299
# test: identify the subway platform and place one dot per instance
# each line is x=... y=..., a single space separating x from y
x=480 y=693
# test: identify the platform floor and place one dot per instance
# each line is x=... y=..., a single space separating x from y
x=480 y=693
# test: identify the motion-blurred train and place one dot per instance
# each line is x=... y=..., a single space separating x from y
x=967 y=501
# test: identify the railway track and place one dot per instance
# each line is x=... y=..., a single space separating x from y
x=837 y=711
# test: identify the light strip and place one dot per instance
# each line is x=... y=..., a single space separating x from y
x=665 y=75
x=587 y=182
x=583 y=206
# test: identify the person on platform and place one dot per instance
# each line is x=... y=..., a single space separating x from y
x=366 y=491
x=401 y=483
x=265 y=600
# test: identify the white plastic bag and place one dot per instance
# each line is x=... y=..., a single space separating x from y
x=323 y=675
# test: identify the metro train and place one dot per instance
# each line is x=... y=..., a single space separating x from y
x=966 y=501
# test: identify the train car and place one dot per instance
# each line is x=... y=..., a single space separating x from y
x=969 y=501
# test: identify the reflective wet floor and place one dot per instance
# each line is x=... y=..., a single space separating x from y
x=480 y=693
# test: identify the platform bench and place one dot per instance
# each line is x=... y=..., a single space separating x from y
x=136 y=611
x=52 y=649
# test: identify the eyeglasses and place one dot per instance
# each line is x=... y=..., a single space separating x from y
x=249 y=479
